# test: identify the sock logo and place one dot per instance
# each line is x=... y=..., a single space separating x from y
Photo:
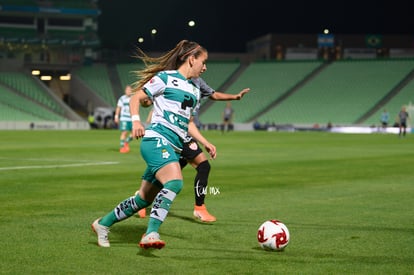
x=154 y=212
x=126 y=208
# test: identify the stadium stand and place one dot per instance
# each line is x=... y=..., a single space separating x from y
x=303 y=93
x=96 y=77
x=26 y=85
x=126 y=72
x=268 y=81
x=341 y=93
x=20 y=108
x=8 y=113
x=405 y=96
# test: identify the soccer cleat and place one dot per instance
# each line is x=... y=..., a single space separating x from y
x=201 y=213
x=102 y=232
x=142 y=213
x=151 y=240
x=124 y=149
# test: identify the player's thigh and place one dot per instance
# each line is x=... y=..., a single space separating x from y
x=157 y=153
x=191 y=150
x=171 y=171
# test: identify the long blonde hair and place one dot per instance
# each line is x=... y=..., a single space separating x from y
x=172 y=60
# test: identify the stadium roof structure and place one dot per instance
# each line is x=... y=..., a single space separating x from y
x=51 y=23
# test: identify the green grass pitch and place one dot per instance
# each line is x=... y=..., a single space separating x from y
x=347 y=199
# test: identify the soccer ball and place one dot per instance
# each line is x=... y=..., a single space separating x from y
x=273 y=235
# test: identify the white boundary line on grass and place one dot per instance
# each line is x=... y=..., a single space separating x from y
x=58 y=165
x=49 y=159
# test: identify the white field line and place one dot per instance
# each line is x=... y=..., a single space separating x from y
x=58 y=165
x=49 y=159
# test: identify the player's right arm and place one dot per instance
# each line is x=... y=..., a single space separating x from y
x=117 y=114
x=138 y=129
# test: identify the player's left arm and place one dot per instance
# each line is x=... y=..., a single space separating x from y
x=196 y=134
x=224 y=96
x=206 y=90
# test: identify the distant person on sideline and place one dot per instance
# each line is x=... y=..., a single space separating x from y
x=385 y=117
x=227 y=117
x=402 y=121
x=123 y=120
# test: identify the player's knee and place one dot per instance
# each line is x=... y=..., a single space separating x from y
x=204 y=167
x=174 y=185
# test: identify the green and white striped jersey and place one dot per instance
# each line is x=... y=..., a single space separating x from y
x=175 y=100
x=123 y=103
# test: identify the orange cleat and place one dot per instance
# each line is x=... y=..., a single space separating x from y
x=142 y=213
x=201 y=213
x=124 y=150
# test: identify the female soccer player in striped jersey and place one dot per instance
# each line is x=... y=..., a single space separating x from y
x=166 y=80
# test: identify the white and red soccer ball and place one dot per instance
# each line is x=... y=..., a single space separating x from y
x=273 y=235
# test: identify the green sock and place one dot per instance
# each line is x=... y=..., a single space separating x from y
x=121 y=143
x=162 y=204
x=124 y=210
